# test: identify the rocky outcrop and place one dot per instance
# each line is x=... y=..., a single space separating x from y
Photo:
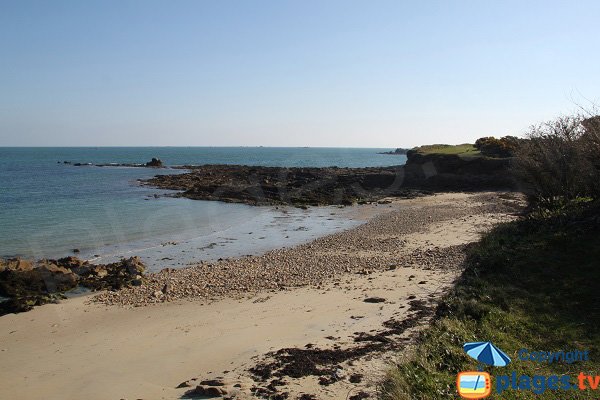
x=457 y=172
x=27 y=284
x=294 y=186
x=206 y=391
x=337 y=186
x=155 y=162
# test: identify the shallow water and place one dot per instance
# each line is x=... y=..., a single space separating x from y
x=265 y=229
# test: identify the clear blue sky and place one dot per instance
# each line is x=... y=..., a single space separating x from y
x=290 y=73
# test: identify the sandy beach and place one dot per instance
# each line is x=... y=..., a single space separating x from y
x=221 y=322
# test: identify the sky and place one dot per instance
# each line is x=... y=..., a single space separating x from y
x=334 y=73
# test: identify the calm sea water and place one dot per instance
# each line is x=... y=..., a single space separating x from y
x=49 y=208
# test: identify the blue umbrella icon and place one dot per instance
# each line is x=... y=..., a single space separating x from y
x=487 y=353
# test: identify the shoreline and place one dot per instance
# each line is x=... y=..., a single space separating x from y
x=269 y=228
x=146 y=352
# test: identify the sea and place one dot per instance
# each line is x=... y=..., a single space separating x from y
x=49 y=209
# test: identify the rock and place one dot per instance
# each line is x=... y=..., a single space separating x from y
x=20 y=265
x=76 y=250
x=210 y=391
x=359 y=396
x=78 y=266
x=44 y=276
x=137 y=282
x=83 y=270
x=155 y=162
x=134 y=266
x=166 y=288
x=100 y=271
x=56 y=279
x=70 y=262
x=212 y=382
x=184 y=384
x=339 y=374
x=374 y=300
x=327 y=380
x=158 y=294
x=27 y=284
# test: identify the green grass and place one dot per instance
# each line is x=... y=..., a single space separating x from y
x=529 y=284
x=460 y=149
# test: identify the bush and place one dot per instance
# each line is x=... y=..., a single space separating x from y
x=559 y=162
x=492 y=147
x=591 y=146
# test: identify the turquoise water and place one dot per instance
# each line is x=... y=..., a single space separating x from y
x=49 y=208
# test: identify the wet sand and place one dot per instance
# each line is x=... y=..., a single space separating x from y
x=89 y=347
x=270 y=228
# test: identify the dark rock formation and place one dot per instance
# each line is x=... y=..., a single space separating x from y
x=422 y=174
x=374 y=300
x=295 y=186
x=206 y=391
x=447 y=172
x=155 y=162
x=27 y=284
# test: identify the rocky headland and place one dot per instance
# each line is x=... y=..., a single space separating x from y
x=276 y=185
x=422 y=174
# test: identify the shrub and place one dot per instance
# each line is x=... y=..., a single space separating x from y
x=492 y=147
x=559 y=162
x=591 y=147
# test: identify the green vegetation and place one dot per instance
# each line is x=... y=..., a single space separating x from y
x=503 y=147
x=465 y=149
x=560 y=161
x=486 y=146
x=529 y=284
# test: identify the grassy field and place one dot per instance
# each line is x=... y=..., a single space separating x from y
x=460 y=149
x=531 y=284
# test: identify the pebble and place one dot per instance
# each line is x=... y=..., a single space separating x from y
x=373 y=246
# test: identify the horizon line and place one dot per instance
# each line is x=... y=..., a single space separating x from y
x=189 y=146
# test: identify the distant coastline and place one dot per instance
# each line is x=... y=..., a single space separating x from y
x=398 y=152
